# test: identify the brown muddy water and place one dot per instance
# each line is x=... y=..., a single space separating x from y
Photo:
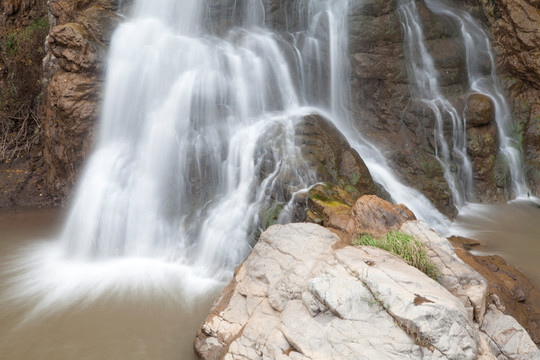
x=55 y=309
x=510 y=230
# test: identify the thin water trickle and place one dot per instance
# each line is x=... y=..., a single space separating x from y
x=482 y=75
x=427 y=89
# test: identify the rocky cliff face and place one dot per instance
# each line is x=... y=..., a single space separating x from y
x=76 y=48
x=391 y=114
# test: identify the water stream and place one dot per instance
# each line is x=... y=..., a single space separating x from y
x=482 y=74
x=427 y=88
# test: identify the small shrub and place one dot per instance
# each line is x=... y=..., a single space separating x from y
x=406 y=247
x=21 y=54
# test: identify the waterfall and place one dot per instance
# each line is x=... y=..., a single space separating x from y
x=184 y=136
x=376 y=162
x=197 y=130
x=427 y=89
x=482 y=77
x=483 y=80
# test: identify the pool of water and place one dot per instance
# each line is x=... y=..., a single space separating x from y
x=135 y=308
x=53 y=308
x=510 y=230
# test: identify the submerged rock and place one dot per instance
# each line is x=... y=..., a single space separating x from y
x=301 y=295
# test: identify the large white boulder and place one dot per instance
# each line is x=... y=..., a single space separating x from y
x=301 y=295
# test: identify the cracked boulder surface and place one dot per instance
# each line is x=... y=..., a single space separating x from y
x=302 y=295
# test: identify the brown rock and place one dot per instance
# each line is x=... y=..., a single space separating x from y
x=17 y=7
x=479 y=111
x=77 y=43
x=72 y=104
x=383 y=100
x=375 y=216
x=330 y=206
x=508 y=289
x=516 y=41
x=514 y=23
x=482 y=147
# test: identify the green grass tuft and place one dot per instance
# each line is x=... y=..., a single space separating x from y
x=406 y=247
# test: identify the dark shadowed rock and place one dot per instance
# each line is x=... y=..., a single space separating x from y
x=331 y=157
x=516 y=39
x=384 y=104
x=482 y=147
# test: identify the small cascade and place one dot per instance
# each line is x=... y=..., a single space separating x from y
x=427 y=89
x=376 y=162
x=482 y=74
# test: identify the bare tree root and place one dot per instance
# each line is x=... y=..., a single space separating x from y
x=19 y=131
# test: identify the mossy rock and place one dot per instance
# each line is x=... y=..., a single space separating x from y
x=327 y=199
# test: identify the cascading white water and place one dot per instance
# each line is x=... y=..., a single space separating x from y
x=481 y=72
x=196 y=139
x=427 y=89
x=187 y=113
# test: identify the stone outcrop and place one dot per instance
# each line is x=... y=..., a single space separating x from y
x=301 y=294
x=76 y=47
x=330 y=156
x=456 y=276
x=367 y=215
x=506 y=338
x=482 y=147
x=324 y=156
